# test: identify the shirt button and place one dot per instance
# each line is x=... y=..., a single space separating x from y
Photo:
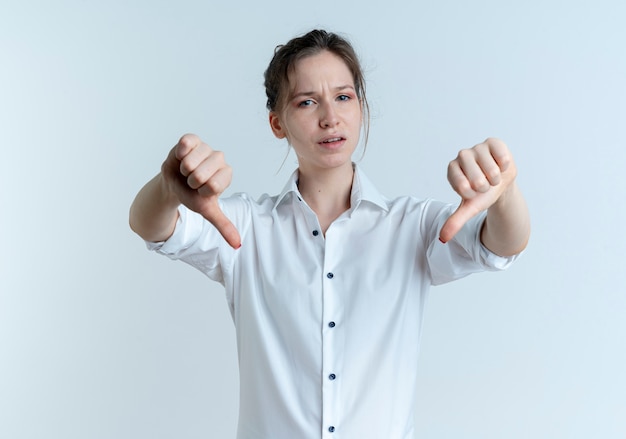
x=331 y=324
x=330 y=275
x=315 y=233
x=332 y=376
x=331 y=429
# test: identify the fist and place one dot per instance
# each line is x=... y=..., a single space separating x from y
x=198 y=175
x=480 y=175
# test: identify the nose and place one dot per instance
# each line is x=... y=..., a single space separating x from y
x=328 y=115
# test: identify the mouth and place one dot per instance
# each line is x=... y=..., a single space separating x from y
x=334 y=141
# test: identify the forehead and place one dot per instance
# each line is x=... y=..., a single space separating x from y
x=322 y=68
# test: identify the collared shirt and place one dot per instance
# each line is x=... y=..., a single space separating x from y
x=328 y=327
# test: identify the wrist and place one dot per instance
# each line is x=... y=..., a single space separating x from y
x=168 y=195
x=511 y=192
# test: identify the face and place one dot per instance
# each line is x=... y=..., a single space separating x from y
x=322 y=115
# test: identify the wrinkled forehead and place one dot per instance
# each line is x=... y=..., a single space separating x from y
x=313 y=70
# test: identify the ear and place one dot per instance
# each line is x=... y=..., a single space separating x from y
x=277 y=127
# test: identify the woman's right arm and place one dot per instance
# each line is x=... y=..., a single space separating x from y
x=194 y=175
x=154 y=211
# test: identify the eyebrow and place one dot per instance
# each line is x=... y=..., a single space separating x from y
x=311 y=93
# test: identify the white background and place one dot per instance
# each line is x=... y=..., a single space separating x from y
x=100 y=338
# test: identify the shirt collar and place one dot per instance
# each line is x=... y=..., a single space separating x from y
x=362 y=190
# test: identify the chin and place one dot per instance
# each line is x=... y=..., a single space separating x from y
x=338 y=162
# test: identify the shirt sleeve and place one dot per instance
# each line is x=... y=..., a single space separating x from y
x=197 y=242
x=464 y=254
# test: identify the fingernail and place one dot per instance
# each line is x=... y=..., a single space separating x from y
x=442 y=241
x=238 y=247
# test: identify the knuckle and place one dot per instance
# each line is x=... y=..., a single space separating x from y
x=482 y=148
x=466 y=156
x=185 y=167
x=186 y=144
x=465 y=153
x=456 y=179
x=193 y=181
x=480 y=185
x=494 y=141
x=453 y=170
x=463 y=188
x=205 y=191
x=219 y=155
x=188 y=140
x=505 y=160
x=215 y=186
x=493 y=174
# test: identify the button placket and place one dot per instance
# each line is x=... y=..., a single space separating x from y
x=311 y=220
x=332 y=337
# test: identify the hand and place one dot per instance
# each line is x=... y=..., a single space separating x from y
x=198 y=175
x=480 y=175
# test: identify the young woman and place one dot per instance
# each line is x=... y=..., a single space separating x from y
x=326 y=282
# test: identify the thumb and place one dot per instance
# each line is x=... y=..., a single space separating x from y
x=213 y=213
x=457 y=220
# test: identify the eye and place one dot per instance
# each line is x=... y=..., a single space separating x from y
x=343 y=98
x=306 y=103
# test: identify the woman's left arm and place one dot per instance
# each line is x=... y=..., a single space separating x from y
x=484 y=177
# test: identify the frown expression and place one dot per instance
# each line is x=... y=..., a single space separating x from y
x=322 y=115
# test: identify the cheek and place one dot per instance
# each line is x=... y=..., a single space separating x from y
x=298 y=126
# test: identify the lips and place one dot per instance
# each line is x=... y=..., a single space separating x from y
x=332 y=140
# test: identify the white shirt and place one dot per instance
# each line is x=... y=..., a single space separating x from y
x=328 y=327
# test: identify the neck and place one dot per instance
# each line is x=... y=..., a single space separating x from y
x=327 y=193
